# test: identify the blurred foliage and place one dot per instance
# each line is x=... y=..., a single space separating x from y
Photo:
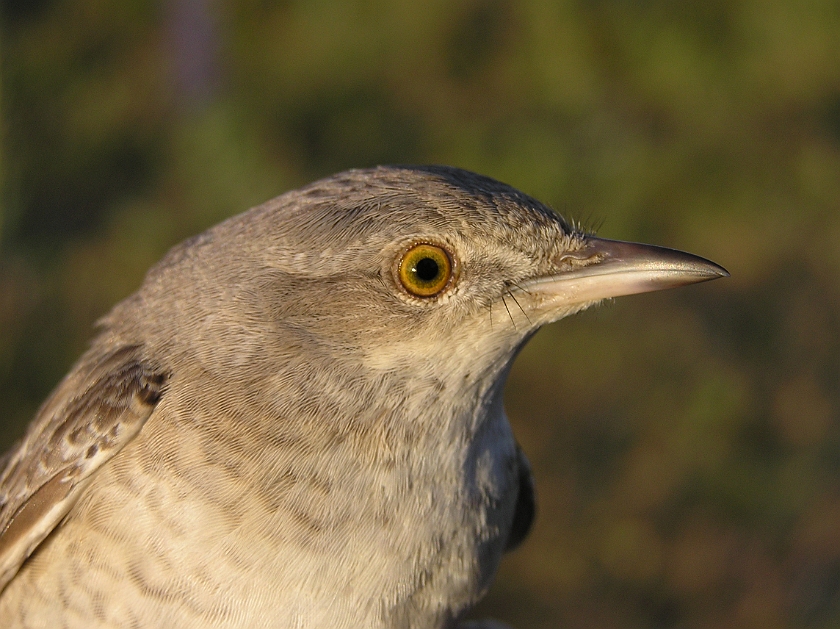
x=686 y=444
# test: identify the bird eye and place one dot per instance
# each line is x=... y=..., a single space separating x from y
x=425 y=270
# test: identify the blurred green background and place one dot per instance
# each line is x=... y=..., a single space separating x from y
x=686 y=444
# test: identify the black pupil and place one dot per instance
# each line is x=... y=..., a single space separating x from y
x=427 y=269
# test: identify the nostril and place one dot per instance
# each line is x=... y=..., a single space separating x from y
x=576 y=259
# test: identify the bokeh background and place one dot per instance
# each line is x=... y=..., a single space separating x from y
x=686 y=444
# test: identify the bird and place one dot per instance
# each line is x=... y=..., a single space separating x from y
x=297 y=420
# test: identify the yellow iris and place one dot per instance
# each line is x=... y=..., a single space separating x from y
x=425 y=270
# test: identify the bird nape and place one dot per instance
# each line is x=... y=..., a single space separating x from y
x=297 y=420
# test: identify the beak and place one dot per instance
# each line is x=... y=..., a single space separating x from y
x=611 y=268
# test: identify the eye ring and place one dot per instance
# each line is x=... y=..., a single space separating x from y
x=425 y=270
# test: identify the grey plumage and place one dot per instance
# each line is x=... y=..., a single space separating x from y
x=273 y=431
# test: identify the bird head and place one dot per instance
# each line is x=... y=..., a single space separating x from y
x=431 y=274
x=395 y=266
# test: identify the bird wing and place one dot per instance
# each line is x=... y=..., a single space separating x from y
x=99 y=408
x=526 y=503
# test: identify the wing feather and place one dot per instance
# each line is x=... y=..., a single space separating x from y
x=99 y=408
